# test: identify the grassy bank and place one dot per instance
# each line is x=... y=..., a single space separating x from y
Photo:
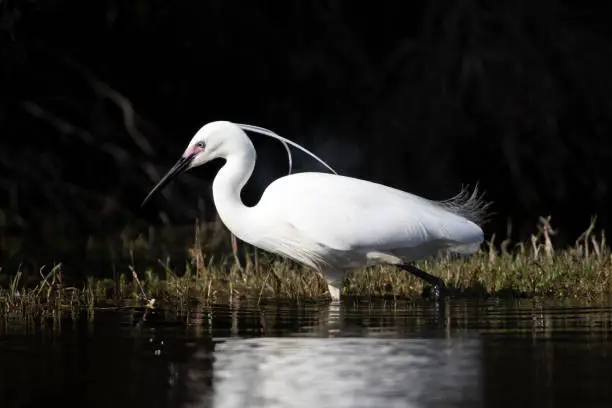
x=530 y=269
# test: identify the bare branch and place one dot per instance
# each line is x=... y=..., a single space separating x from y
x=123 y=103
x=60 y=124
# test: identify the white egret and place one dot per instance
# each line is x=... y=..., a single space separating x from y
x=329 y=222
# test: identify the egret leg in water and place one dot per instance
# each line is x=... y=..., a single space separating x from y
x=328 y=222
x=438 y=287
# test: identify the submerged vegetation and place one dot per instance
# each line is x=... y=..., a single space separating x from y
x=532 y=269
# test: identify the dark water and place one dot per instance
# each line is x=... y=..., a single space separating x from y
x=356 y=354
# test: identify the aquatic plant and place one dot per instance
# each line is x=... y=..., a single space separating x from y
x=527 y=269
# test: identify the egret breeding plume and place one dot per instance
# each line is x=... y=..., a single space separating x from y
x=329 y=222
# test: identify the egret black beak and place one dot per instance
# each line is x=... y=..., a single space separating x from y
x=181 y=165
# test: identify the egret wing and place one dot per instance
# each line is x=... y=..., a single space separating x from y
x=351 y=214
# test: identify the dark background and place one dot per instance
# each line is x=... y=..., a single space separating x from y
x=99 y=98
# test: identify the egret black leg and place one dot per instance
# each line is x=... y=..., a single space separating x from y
x=436 y=283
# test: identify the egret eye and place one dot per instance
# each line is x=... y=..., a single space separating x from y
x=201 y=145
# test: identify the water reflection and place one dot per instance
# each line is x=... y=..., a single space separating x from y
x=357 y=354
x=347 y=372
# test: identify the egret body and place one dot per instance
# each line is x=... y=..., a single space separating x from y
x=329 y=222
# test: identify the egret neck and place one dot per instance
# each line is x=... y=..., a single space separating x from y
x=228 y=184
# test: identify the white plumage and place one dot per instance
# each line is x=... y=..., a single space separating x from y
x=326 y=221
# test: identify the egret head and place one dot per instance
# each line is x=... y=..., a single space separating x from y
x=222 y=139
x=213 y=140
